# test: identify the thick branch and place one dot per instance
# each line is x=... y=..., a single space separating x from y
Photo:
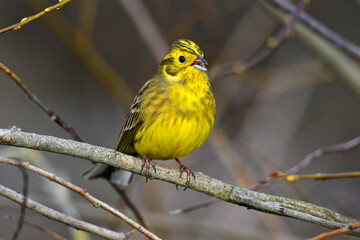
x=205 y=184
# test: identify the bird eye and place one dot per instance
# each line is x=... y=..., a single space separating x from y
x=181 y=59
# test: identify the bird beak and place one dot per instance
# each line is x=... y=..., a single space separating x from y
x=199 y=64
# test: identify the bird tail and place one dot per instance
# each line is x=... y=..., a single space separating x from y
x=118 y=177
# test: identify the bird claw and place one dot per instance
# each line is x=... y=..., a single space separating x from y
x=183 y=168
x=148 y=162
x=188 y=173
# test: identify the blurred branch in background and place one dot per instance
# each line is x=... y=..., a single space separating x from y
x=147 y=27
x=87 y=54
x=263 y=52
x=80 y=191
x=87 y=17
x=340 y=62
x=204 y=184
x=321 y=28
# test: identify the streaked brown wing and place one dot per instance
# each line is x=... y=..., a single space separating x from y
x=133 y=122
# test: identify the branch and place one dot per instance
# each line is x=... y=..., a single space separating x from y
x=253 y=200
x=58 y=216
x=321 y=176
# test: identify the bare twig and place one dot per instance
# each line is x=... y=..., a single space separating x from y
x=26 y=20
x=345 y=229
x=60 y=217
x=41 y=229
x=321 y=176
x=253 y=200
x=54 y=117
x=82 y=192
x=341 y=147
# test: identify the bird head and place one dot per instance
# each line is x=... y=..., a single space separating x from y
x=184 y=55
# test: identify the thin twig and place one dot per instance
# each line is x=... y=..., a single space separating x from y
x=60 y=217
x=321 y=176
x=345 y=229
x=26 y=20
x=253 y=200
x=41 y=229
x=334 y=57
x=54 y=117
x=341 y=147
x=82 y=192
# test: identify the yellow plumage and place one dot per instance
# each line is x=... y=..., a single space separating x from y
x=174 y=112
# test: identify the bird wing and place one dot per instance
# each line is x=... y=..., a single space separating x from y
x=133 y=122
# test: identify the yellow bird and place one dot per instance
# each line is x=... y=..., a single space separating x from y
x=172 y=114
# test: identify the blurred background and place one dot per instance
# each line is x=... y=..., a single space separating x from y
x=87 y=60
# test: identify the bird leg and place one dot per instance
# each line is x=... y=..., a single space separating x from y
x=188 y=173
x=148 y=162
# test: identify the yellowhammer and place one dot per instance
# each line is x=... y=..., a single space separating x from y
x=173 y=113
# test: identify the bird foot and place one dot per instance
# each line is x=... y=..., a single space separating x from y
x=149 y=163
x=183 y=169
